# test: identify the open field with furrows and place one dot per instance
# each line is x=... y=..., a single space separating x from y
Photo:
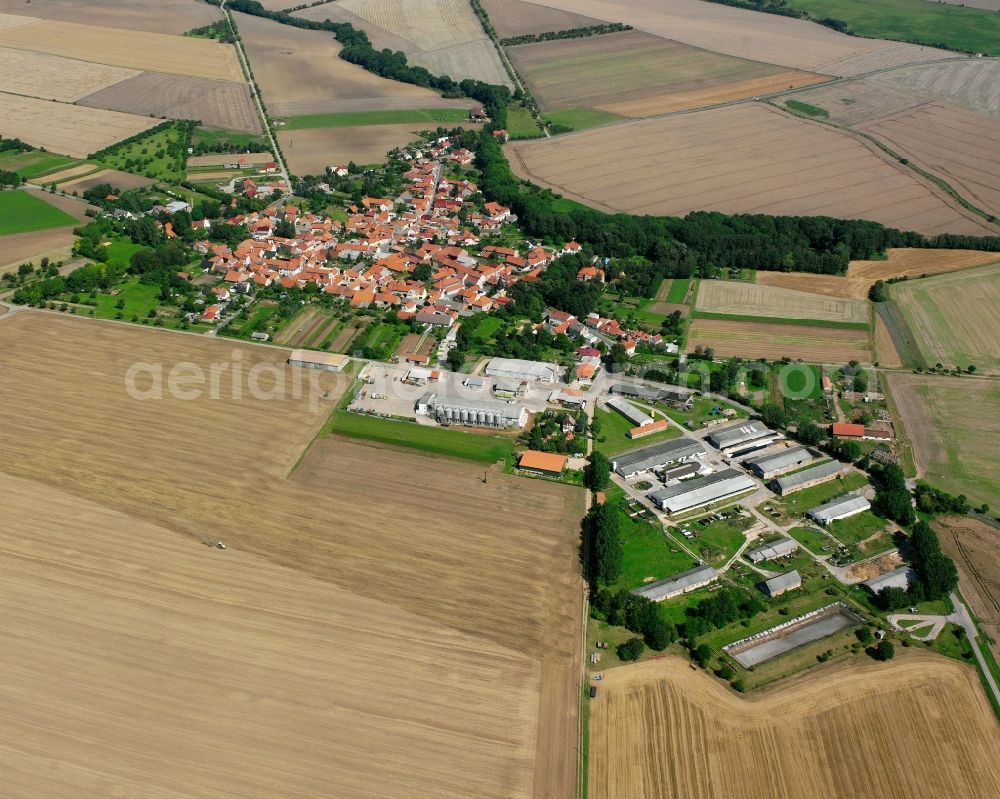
x=54 y=78
x=516 y=18
x=917 y=727
x=156 y=52
x=750 y=299
x=952 y=425
x=753 y=340
x=445 y=36
x=961 y=147
x=747 y=158
x=157 y=16
x=310 y=151
x=216 y=103
x=861 y=274
x=970 y=83
x=113 y=177
x=886 y=353
x=299 y=72
x=856 y=101
x=974 y=545
x=417 y=634
x=633 y=73
x=67 y=129
x=750 y=34
x=954 y=317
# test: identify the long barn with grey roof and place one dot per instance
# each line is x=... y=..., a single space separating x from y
x=768 y=466
x=656 y=457
x=678 y=584
x=774 y=550
x=702 y=491
x=840 y=508
x=742 y=436
x=807 y=478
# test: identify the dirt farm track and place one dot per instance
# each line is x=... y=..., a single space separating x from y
x=917 y=727
x=324 y=651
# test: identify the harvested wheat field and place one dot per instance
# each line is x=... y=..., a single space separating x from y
x=310 y=151
x=516 y=18
x=122 y=181
x=85 y=168
x=21 y=248
x=156 y=52
x=952 y=425
x=959 y=146
x=218 y=159
x=886 y=353
x=954 y=317
x=158 y=16
x=334 y=648
x=299 y=72
x=633 y=73
x=53 y=78
x=974 y=545
x=750 y=299
x=747 y=158
x=445 y=36
x=917 y=727
x=738 y=32
x=216 y=103
x=66 y=129
x=970 y=83
x=861 y=274
x=858 y=101
x=752 y=340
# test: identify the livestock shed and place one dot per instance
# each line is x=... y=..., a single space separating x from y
x=679 y=584
x=545 y=463
x=657 y=456
x=814 y=475
x=472 y=411
x=897 y=578
x=742 y=436
x=776 y=586
x=517 y=369
x=675 y=397
x=768 y=466
x=839 y=508
x=702 y=491
x=630 y=412
x=326 y=361
x=776 y=549
x=647 y=430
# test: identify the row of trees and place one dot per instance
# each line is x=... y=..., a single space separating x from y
x=569 y=33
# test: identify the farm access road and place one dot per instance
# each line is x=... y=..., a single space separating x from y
x=963 y=617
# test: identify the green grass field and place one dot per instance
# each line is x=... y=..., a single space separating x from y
x=809 y=498
x=34 y=164
x=612 y=440
x=483 y=448
x=971 y=30
x=150 y=155
x=857 y=528
x=805 y=108
x=953 y=317
x=700 y=412
x=717 y=541
x=23 y=212
x=351 y=119
x=647 y=553
x=678 y=290
x=581 y=118
x=521 y=124
x=121 y=250
x=812 y=539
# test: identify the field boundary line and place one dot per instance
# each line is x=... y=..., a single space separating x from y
x=780 y=320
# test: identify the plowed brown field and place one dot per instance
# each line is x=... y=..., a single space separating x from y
x=336 y=648
x=746 y=158
x=157 y=16
x=20 y=248
x=515 y=18
x=917 y=727
x=861 y=274
x=311 y=150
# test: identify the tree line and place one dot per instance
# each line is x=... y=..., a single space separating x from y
x=569 y=33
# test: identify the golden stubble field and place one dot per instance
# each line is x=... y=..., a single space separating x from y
x=746 y=158
x=753 y=340
x=381 y=624
x=860 y=275
x=310 y=151
x=751 y=299
x=54 y=78
x=919 y=727
x=131 y=49
x=157 y=16
x=67 y=129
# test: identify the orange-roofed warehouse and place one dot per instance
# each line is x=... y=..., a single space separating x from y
x=542 y=462
x=847 y=430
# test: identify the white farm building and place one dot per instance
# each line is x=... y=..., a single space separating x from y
x=516 y=369
x=473 y=412
x=679 y=584
x=840 y=508
x=701 y=491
